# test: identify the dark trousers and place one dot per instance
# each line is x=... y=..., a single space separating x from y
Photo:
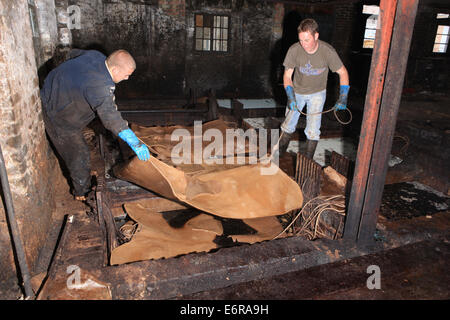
x=74 y=151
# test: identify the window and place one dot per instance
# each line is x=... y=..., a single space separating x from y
x=442 y=35
x=371 y=26
x=211 y=32
x=441 y=40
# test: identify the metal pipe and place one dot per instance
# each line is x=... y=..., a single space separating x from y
x=14 y=228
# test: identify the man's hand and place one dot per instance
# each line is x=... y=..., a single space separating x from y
x=341 y=104
x=138 y=147
x=292 y=103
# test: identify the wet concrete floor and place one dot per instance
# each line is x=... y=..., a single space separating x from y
x=415 y=271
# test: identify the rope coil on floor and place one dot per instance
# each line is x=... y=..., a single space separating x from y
x=333 y=203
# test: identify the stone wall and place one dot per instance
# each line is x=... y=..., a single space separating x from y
x=160 y=34
x=29 y=160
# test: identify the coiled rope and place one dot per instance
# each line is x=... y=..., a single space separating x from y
x=334 y=203
x=335 y=114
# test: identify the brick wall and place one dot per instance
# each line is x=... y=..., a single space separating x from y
x=29 y=160
x=173 y=7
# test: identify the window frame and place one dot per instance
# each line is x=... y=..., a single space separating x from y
x=443 y=21
x=441 y=34
x=224 y=37
x=432 y=31
x=367 y=16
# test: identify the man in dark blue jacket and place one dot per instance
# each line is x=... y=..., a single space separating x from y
x=72 y=95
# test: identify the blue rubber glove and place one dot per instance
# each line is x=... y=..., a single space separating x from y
x=138 y=147
x=341 y=104
x=291 y=103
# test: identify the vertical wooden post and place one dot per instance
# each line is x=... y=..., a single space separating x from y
x=395 y=75
x=370 y=117
x=380 y=116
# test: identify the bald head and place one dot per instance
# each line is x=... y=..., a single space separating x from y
x=121 y=58
x=121 y=65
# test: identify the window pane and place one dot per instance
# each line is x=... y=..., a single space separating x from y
x=224 y=34
x=198 y=44
x=206 y=45
x=225 y=22
x=198 y=33
x=440 y=48
x=442 y=16
x=371 y=9
x=216 y=33
x=372 y=22
x=441 y=39
x=207 y=33
x=198 y=20
x=443 y=29
x=368 y=43
x=370 y=34
x=224 y=46
x=208 y=21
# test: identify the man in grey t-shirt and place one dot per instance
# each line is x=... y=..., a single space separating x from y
x=309 y=60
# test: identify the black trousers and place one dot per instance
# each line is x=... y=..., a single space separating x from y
x=74 y=151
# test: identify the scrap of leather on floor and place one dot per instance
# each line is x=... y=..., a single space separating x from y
x=219 y=193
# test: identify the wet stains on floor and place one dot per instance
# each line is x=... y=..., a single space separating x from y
x=411 y=199
x=415 y=271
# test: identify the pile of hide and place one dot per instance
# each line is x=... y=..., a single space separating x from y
x=236 y=188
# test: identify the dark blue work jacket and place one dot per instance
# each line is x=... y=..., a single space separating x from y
x=77 y=90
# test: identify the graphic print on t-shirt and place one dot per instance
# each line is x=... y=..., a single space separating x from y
x=308 y=70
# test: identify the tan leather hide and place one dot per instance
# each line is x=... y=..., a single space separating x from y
x=239 y=191
x=156 y=239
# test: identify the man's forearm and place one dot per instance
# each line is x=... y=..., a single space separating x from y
x=287 y=82
x=287 y=78
x=343 y=76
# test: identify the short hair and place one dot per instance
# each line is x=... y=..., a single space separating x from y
x=121 y=58
x=308 y=25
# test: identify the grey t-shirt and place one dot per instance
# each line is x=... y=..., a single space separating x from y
x=311 y=70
